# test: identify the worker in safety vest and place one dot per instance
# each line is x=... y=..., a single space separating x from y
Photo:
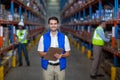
x=22 y=42
x=98 y=42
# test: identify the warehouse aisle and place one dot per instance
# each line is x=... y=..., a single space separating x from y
x=77 y=69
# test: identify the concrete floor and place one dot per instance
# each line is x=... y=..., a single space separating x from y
x=78 y=68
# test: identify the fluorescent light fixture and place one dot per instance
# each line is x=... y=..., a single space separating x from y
x=52 y=0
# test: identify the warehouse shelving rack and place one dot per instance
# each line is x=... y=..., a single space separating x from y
x=74 y=27
x=34 y=28
x=68 y=6
x=28 y=23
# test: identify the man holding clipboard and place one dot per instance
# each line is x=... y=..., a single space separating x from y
x=53 y=49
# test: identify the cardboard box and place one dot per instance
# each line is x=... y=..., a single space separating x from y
x=16 y=15
x=6 y=36
x=118 y=44
x=24 y=16
x=2 y=11
x=21 y=0
x=2 y=7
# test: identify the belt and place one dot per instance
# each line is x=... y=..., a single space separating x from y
x=54 y=64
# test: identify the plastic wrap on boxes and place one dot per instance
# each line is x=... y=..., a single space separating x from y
x=108 y=14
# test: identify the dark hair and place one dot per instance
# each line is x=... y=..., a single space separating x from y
x=53 y=18
x=102 y=21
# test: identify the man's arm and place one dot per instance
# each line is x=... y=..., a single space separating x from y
x=40 y=48
x=66 y=54
x=42 y=54
x=102 y=36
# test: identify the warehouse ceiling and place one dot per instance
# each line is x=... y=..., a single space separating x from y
x=53 y=8
x=53 y=2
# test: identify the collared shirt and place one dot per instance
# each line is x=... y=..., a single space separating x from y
x=54 y=43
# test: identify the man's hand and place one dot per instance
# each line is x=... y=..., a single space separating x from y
x=58 y=56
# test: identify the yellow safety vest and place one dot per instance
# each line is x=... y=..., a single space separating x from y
x=22 y=34
x=97 y=40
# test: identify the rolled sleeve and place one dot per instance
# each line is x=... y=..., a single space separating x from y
x=40 y=45
x=67 y=44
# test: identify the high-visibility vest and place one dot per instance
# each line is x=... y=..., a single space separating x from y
x=97 y=40
x=22 y=36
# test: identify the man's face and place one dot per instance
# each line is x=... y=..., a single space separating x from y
x=20 y=27
x=53 y=25
x=104 y=25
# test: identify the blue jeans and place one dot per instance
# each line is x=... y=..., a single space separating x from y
x=22 y=47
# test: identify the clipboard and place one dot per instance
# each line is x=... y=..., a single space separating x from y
x=51 y=52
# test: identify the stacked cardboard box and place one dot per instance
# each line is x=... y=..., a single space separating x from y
x=16 y=15
x=118 y=44
x=2 y=11
x=5 y=14
x=25 y=2
x=8 y=17
x=6 y=36
x=107 y=13
x=25 y=17
x=70 y=1
x=21 y=0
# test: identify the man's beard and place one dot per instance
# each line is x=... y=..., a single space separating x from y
x=53 y=30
